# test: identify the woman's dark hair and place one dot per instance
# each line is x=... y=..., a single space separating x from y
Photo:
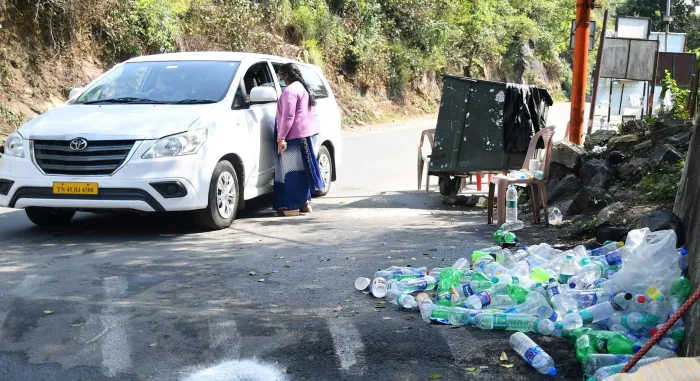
x=291 y=71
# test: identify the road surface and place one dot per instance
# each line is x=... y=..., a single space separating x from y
x=148 y=298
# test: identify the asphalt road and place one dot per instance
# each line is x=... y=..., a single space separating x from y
x=133 y=298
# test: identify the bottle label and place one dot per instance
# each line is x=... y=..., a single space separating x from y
x=511 y=203
x=418 y=284
x=467 y=289
x=531 y=353
x=614 y=258
x=500 y=321
x=587 y=299
x=554 y=290
x=444 y=296
x=484 y=297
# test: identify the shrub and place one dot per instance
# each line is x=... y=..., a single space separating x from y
x=661 y=185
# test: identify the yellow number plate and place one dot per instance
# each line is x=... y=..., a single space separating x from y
x=75 y=188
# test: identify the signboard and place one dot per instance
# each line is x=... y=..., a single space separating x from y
x=676 y=41
x=633 y=27
x=625 y=58
x=591 y=37
x=682 y=67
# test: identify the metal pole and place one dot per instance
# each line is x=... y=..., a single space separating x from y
x=596 y=75
x=622 y=96
x=668 y=23
x=580 y=72
x=610 y=100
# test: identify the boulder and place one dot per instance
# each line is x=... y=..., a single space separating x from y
x=609 y=233
x=666 y=127
x=598 y=138
x=615 y=158
x=609 y=213
x=563 y=189
x=568 y=154
x=679 y=141
x=595 y=173
x=558 y=172
x=633 y=170
x=623 y=143
x=661 y=220
x=665 y=154
x=589 y=200
x=642 y=148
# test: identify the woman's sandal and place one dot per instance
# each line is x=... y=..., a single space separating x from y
x=306 y=208
x=288 y=213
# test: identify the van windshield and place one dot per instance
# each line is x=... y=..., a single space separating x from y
x=171 y=82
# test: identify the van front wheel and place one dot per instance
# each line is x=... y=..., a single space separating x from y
x=224 y=196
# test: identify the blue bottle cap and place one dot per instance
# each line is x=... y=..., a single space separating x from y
x=572 y=285
x=552 y=371
x=551 y=280
x=636 y=348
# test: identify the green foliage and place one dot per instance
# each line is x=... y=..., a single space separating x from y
x=661 y=185
x=12 y=119
x=679 y=97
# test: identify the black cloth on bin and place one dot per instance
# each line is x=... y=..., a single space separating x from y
x=521 y=116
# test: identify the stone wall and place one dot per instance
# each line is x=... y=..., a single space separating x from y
x=687 y=207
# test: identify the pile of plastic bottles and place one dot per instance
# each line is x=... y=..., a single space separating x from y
x=606 y=302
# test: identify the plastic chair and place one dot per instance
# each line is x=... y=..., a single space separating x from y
x=537 y=188
x=424 y=152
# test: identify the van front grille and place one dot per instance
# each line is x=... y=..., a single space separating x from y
x=99 y=158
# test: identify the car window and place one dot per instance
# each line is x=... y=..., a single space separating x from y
x=277 y=66
x=317 y=88
x=258 y=75
x=164 y=82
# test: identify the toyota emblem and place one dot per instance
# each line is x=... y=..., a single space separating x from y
x=78 y=144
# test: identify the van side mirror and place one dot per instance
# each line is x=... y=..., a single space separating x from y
x=263 y=94
x=74 y=93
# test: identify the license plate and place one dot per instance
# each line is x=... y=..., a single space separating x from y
x=75 y=188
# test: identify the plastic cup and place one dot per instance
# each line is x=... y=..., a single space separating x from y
x=362 y=283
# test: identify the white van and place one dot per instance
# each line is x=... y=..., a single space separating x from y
x=171 y=132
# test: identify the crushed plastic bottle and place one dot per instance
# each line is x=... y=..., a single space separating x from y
x=588 y=315
x=584 y=347
x=511 y=226
x=555 y=217
x=504 y=237
x=532 y=353
x=595 y=361
x=610 y=370
x=402 y=299
x=425 y=283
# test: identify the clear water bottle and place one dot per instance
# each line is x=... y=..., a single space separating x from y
x=610 y=247
x=598 y=360
x=568 y=269
x=633 y=320
x=395 y=272
x=610 y=370
x=555 y=297
x=488 y=297
x=532 y=353
x=657 y=313
x=588 y=273
x=512 y=226
x=534 y=304
x=657 y=351
x=493 y=269
x=588 y=315
x=511 y=204
x=500 y=321
x=670 y=344
x=402 y=299
x=621 y=301
x=425 y=283
x=521 y=254
x=462 y=316
x=578 y=299
x=472 y=287
x=461 y=264
x=425 y=305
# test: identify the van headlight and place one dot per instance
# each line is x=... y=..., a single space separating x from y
x=186 y=143
x=14 y=145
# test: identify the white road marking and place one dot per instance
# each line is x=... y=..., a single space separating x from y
x=223 y=334
x=348 y=345
x=116 y=357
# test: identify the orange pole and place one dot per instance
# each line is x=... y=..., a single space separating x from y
x=580 y=72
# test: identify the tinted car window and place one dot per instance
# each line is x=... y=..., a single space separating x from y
x=318 y=89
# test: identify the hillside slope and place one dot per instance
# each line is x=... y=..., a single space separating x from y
x=384 y=58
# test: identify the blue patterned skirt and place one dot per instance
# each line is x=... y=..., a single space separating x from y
x=297 y=174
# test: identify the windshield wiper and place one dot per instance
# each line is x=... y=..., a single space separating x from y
x=194 y=101
x=123 y=100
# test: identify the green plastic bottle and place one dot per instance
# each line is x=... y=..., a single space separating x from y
x=449 y=278
x=479 y=276
x=501 y=236
x=613 y=342
x=584 y=348
x=681 y=288
x=517 y=293
x=539 y=274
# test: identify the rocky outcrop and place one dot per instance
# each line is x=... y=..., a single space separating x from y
x=568 y=154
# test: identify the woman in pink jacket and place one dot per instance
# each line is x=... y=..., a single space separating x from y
x=297 y=174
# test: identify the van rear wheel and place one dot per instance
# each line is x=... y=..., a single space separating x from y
x=224 y=196
x=49 y=216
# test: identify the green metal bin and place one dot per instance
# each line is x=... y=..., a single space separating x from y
x=469 y=132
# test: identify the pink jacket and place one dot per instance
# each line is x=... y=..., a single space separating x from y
x=295 y=119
